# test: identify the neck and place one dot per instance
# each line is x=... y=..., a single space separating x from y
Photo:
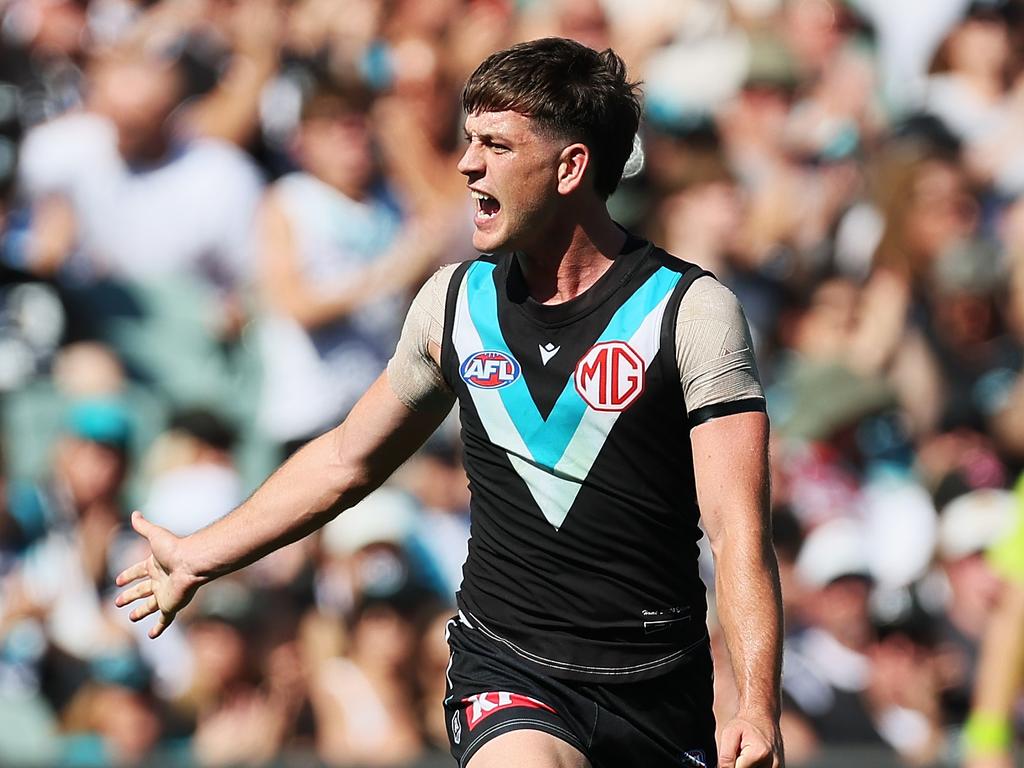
x=567 y=262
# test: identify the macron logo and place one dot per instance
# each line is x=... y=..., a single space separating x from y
x=547 y=351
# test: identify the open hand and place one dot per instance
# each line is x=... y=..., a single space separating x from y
x=163 y=582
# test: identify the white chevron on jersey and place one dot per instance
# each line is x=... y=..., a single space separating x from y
x=554 y=489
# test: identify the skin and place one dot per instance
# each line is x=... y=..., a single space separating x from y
x=551 y=215
x=1000 y=671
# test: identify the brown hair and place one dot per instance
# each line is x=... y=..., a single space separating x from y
x=332 y=99
x=572 y=91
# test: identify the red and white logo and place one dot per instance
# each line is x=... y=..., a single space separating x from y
x=610 y=376
x=480 y=706
x=489 y=370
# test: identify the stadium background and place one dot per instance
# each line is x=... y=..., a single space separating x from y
x=182 y=303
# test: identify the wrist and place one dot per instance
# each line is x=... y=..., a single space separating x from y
x=758 y=715
x=190 y=563
x=987 y=734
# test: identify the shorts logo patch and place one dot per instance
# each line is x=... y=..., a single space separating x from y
x=610 y=376
x=695 y=758
x=480 y=706
x=456 y=728
x=489 y=370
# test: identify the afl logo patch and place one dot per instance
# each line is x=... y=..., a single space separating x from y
x=610 y=376
x=489 y=370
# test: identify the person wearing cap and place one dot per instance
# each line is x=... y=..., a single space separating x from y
x=968 y=525
x=72 y=523
x=827 y=667
x=988 y=734
x=88 y=469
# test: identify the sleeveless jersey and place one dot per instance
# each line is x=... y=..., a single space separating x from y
x=583 y=549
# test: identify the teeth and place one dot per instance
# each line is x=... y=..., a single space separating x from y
x=481 y=198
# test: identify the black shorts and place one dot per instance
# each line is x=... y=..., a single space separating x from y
x=664 y=722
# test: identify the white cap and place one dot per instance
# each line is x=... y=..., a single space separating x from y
x=973 y=522
x=900 y=525
x=834 y=549
x=385 y=516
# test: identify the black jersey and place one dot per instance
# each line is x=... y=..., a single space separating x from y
x=583 y=549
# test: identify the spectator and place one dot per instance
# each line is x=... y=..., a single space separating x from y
x=336 y=264
x=969 y=525
x=989 y=734
x=852 y=171
x=194 y=481
x=827 y=670
x=72 y=521
x=364 y=701
x=117 y=193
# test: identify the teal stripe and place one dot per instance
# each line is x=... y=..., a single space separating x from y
x=547 y=440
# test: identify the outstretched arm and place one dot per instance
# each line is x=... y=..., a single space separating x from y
x=328 y=475
x=730 y=459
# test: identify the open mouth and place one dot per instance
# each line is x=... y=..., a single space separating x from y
x=487 y=207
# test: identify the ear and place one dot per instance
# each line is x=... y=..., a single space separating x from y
x=572 y=164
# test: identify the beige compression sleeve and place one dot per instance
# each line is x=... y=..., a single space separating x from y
x=413 y=373
x=714 y=351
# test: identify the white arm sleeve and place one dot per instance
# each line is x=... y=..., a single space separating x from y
x=414 y=375
x=714 y=351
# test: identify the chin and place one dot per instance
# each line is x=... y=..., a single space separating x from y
x=489 y=242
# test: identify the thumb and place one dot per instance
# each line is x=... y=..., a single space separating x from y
x=142 y=526
x=729 y=748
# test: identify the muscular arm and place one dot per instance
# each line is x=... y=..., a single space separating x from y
x=730 y=456
x=725 y=405
x=330 y=474
x=327 y=476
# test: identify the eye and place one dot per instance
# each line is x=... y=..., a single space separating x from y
x=498 y=148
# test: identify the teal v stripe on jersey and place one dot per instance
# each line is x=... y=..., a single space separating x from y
x=547 y=440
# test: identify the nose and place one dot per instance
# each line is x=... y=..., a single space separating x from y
x=471 y=162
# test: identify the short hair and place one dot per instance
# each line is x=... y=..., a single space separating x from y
x=333 y=99
x=570 y=90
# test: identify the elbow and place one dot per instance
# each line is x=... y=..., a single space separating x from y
x=748 y=543
x=352 y=473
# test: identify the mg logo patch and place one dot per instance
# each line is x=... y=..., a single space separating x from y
x=489 y=370
x=610 y=376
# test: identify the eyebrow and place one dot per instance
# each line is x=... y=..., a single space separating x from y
x=487 y=138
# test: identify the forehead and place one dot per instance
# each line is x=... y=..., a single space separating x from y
x=509 y=124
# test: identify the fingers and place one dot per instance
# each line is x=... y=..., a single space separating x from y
x=754 y=752
x=161 y=624
x=743 y=746
x=144 y=610
x=131 y=573
x=751 y=757
x=142 y=589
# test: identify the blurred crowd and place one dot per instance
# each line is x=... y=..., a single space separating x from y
x=213 y=213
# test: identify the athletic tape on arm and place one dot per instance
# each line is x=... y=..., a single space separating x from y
x=414 y=376
x=713 y=347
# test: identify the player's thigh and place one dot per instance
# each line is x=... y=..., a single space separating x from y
x=527 y=748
